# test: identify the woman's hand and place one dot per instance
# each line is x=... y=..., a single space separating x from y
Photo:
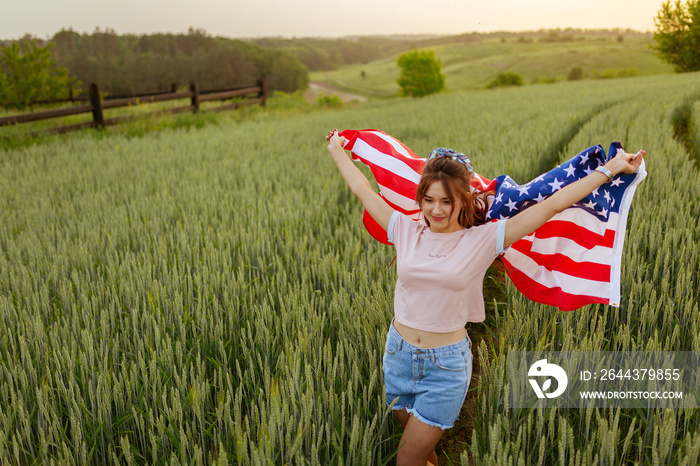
x=523 y=224
x=357 y=181
x=334 y=139
x=625 y=163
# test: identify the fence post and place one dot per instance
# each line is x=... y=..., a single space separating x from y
x=97 y=115
x=194 y=87
x=262 y=83
x=173 y=87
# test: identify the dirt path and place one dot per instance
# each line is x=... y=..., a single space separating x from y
x=318 y=87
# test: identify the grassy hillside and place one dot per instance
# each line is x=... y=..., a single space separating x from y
x=471 y=65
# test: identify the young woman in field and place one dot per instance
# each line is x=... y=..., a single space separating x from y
x=441 y=263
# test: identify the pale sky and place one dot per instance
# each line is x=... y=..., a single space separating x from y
x=320 y=18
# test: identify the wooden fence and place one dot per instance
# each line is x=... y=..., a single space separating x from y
x=253 y=95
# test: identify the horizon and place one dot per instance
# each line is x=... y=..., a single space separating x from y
x=348 y=37
x=317 y=19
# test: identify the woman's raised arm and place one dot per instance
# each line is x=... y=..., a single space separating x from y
x=358 y=182
x=534 y=217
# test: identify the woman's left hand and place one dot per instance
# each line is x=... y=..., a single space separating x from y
x=626 y=163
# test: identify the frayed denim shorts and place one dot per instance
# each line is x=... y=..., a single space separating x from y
x=430 y=383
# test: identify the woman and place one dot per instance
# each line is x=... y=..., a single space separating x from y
x=441 y=263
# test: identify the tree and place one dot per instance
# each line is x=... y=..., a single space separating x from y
x=421 y=73
x=677 y=34
x=28 y=73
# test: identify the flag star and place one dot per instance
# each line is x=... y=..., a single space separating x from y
x=604 y=212
x=584 y=159
x=612 y=204
x=590 y=205
x=523 y=190
x=539 y=178
x=607 y=196
x=539 y=198
x=617 y=182
x=499 y=198
x=570 y=170
x=595 y=192
x=588 y=171
x=556 y=185
x=511 y=205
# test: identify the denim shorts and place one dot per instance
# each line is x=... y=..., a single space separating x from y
x=430 y=383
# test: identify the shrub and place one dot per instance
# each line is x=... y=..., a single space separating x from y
x=329 y=101
x=506 y=79
x=543 y=80
x=288 y=102
x=576 y=74
x=612 y=73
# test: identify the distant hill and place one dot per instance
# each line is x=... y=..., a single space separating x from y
x=471 y=62
x=363 y=65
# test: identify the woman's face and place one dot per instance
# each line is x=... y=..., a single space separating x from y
x=439 y=211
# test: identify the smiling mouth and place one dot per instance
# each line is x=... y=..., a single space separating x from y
x=438 y=219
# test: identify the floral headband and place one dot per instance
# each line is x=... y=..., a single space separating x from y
x=458 y=156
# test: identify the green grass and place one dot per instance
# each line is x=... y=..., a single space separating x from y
x=208 y=294
x=472 y=65
x=145 y=121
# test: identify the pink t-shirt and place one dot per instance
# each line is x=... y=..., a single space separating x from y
x=441 y=275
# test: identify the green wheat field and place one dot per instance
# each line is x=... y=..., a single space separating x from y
x=210 y=296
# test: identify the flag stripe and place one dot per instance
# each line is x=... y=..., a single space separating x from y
x=397 y=146
x=569 y=248
x=563 y=263
x=481 y=183
x=395 y=166
x=375 y=229
x=553 y=296
x=581 y=236
x=400 y=208
x=384 y=144
x=587 y=220
x=557 y=279
x=398 y=199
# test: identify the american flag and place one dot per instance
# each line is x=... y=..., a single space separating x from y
x=572 y=260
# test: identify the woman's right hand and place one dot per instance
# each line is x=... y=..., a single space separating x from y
x=334 y=139
x=357 y=181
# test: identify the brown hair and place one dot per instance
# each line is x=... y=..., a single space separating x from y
x=455 y=178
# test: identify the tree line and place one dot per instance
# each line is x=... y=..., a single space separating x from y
x=128 y=64
x=328 y=54
x=33 y=69
x=131 y=64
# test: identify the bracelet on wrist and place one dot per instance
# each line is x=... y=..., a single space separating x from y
x=605 y=172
